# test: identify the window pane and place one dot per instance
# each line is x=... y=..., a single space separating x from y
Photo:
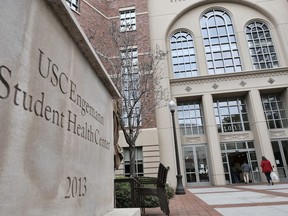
x=241 y=145
x=73 y=4
x=190 y=117
x=251 y=145
x=257 y=30
x=219 y=38
x=230 y=146
x=183 y=55
x=253 y=156
x=232 y=115
x=138 y=161
x=127 y=20
x=130 y=87
x=276 y=117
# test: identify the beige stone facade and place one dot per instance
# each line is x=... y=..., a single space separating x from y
x=249 y=84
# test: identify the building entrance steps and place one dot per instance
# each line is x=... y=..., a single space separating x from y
x=236 y=200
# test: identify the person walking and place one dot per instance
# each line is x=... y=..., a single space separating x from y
x=245 y=170
x=267 y=169
x=234 y=174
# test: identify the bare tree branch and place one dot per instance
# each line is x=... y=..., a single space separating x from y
x=138 y=78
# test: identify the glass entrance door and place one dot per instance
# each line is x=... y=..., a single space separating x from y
x=196 y=165
x=233 y=156
x=280 y=150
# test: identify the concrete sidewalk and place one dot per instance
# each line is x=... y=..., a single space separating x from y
x=235 y=200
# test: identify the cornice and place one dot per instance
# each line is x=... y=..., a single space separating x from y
x=230 y=76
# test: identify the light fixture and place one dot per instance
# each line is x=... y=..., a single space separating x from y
x=179 y=188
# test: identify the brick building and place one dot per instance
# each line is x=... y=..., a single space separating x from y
x=227 y=70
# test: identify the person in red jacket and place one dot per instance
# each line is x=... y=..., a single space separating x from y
x=267 y=169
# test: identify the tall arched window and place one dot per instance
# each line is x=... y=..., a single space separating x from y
x=261 y=46
x=220 y=43
x=183 y=55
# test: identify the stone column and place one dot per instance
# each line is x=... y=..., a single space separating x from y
x=215 y=159
x=259 y=128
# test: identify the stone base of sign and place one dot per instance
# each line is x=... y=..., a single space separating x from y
x=56 y=111
x=125 y=212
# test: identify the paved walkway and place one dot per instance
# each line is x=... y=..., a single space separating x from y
x=230 y=200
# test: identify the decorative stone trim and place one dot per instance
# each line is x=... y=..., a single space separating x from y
x=215 y=86
x=192 y=139
x=242 y=83
x=235 y=137
x=188 y=88
x=229 y=77
x=271 y=81
x=279 y=133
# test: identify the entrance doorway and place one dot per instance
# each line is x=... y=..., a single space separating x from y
x=236 y=159
x=196 y=165
x=280 y=150
x=233 y=155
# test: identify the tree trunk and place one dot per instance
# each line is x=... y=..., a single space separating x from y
x=132 y=160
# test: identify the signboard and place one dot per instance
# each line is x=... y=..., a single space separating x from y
x=56 y=136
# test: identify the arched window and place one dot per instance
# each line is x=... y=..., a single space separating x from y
x=261 y=46
x=220 y=43
x=183 y=55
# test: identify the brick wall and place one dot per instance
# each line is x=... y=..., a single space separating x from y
x=96 y=16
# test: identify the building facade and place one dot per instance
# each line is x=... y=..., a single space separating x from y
x=96 y=17
x=227 y=71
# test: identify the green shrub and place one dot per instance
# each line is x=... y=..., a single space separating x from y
x=123 y=196
x=170 y=191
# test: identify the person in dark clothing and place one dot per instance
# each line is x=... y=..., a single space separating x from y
x=267 y=169
x=234 y=174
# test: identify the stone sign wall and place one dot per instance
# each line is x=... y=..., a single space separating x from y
x=56 y=138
